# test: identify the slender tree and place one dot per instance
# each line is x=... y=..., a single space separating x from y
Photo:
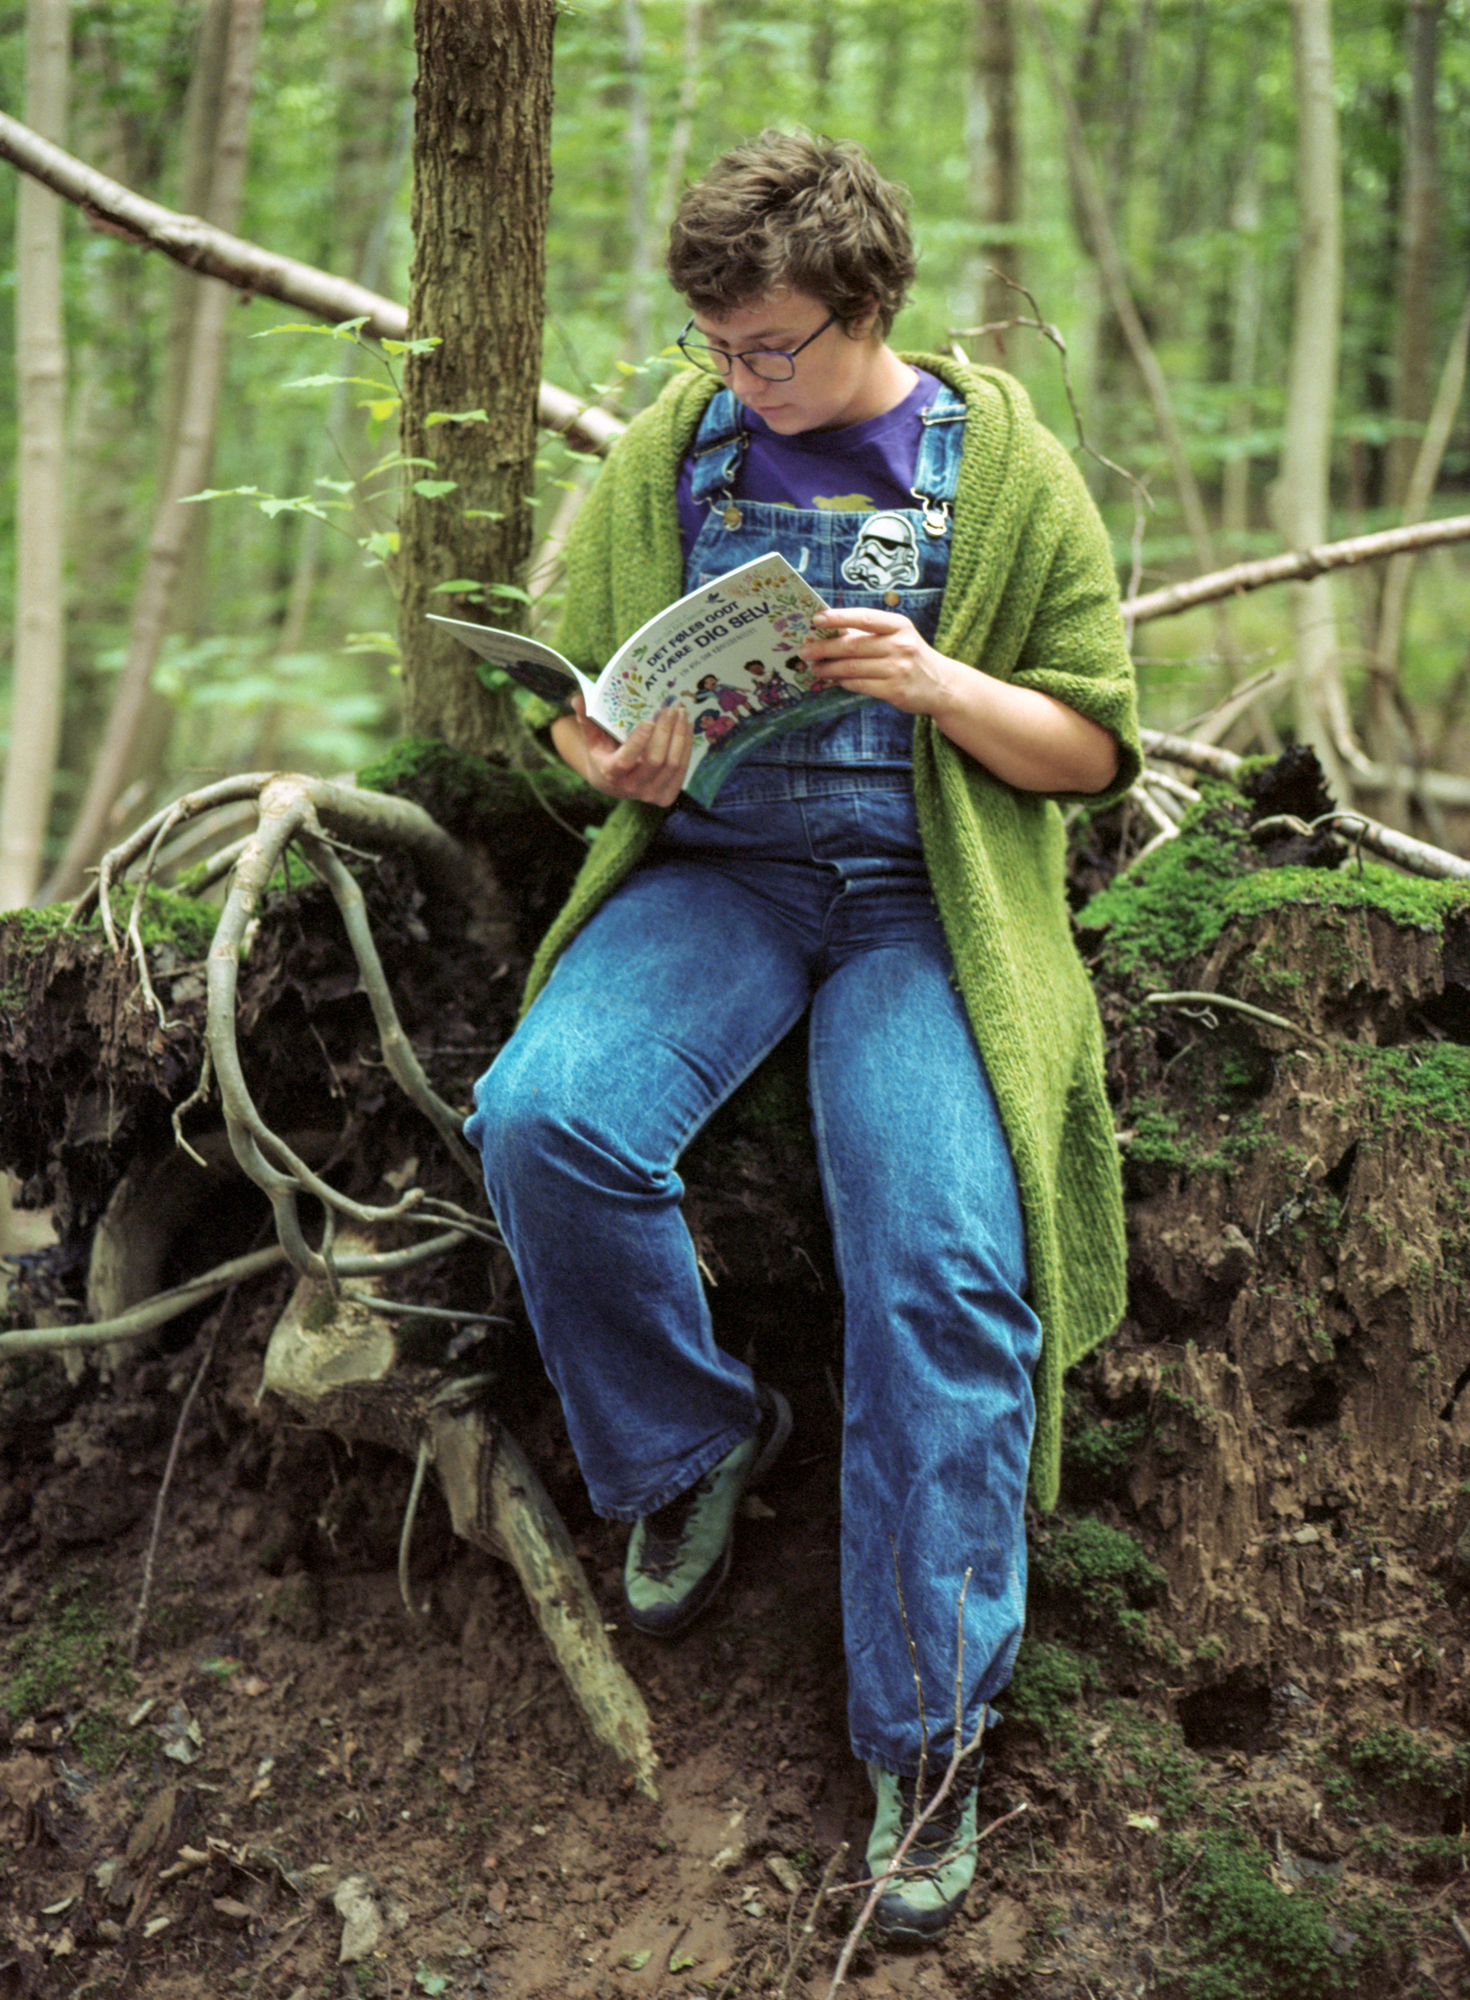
x=40 y=362
x=992 y=146
x=1301 y=493
x=187 y=472
x=482 y=182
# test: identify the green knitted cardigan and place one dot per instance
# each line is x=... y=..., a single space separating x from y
x=1031 y=597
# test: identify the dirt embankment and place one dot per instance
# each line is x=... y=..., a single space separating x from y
x=1237 y=1736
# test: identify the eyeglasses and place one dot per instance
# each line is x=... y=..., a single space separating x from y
x=770 y=364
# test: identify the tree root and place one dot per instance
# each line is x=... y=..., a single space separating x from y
x=333 y=1357
x=337 y=1366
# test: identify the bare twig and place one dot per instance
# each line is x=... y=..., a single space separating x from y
x=797 y=1951
x=135 y=1634
x=922 y=1813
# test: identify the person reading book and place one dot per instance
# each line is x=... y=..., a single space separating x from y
x=894 y=871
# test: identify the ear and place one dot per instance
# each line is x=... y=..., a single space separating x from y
x=865 y=325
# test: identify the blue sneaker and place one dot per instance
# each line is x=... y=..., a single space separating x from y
x=678 y=1557
x=938 y=1867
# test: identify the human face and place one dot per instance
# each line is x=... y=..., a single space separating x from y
x=845 y=376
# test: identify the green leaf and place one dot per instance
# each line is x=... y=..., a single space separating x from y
x=298 y=504
x=380 y=408
x=683 y=1963
x=512 y=590
x=424 y=346
x=636 y=1960
x=222 y=493
x=434 y=489
x=460 y=583
x=331 y=381
x=382 y=545
x=454 y=417
x=370 y=642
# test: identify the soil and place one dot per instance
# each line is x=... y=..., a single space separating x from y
x=1235 y=1763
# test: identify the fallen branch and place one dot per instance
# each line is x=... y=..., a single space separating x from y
x=1295 y=566
x=1416 y=857
x=213 y=253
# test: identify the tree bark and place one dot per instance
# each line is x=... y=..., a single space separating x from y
x=38 y=680
x=482 y=182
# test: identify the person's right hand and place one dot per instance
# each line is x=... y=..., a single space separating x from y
x=649 y=766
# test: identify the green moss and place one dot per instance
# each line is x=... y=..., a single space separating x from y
x=1425 y=1085
x=1246 y=1939
x=1097 y=1456
x=69 y=1644
x=1047 y=1683
x=1097 y=1572
x=1174 y=904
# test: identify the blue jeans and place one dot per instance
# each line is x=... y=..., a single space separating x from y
x=807 y=891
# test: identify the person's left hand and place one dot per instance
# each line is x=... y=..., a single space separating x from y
x=880 y=653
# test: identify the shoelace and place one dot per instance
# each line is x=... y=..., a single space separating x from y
x=942 y=1827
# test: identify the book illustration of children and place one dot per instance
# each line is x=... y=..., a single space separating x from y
x=732 y=701
x=773 y=690
x=712 y=725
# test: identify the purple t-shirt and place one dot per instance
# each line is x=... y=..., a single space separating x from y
x=859 y=469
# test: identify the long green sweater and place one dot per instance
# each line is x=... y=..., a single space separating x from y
x=1032 y=598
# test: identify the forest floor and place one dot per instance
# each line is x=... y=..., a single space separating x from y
x=301 y=1789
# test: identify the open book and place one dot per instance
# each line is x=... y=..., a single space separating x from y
x=727 y=652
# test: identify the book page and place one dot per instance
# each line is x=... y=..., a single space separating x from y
x=727 y=652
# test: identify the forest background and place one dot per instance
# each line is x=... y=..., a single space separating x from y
x=1139 y=167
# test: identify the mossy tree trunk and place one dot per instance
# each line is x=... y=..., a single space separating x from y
x=482 y=180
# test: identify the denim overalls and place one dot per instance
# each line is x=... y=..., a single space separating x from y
x=802 y=887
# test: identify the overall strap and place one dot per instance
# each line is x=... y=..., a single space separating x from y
x=719 y=446
x=937 y=469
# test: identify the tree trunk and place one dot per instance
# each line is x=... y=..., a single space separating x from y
x=1418 y=220
x=40 y=368
x=990 y=141
x=482 y=181
x=1301 y=495
x=640 y=219
x=188 y=472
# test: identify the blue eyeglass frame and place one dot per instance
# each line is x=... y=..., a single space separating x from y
x=725 y=362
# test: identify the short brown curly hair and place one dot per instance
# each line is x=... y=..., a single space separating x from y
x=790 y=211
